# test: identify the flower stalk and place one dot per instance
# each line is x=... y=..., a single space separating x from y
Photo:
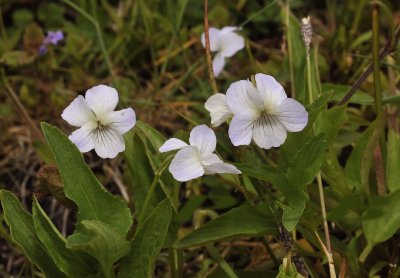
x=306 y=30
x=213 y=83
x=152 y=188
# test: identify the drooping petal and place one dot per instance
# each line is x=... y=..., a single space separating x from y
x=268 y=132
x=230 y=43
x=210 y=158
x=102 y=99
x=218 y=64
x=292 y=115
x=108 y=142
x=78 y=112
x=271 y=91
x=172 y=144
x=242 y=96
x=203 y=138
x=213 y=34
x=241 y=129
x=186 y=164
x=83 y=137
x=219 y=110
x=221 y=168
x=121 y=121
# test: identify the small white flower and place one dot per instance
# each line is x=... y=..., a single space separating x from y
x=218 y=109
x=197 y=159
x=225 y=42
x=263 y=113
x=100 y=127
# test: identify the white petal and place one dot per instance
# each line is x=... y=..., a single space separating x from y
x=269 y=132
x=210 y=158
x=230 y=43
x=203 y=138
x=271 y=91
x=241 y=129
x=219 y=110
x=186 y=164
x=78 y=112
x=213 y=34
x=102 y=99
x=292 y=115
x=172 y=144
x=122 y=120
x=221 y=168
x=242 y=96
x=228 y=29
x=218 y=64
x=108 y=142
x=83 y=137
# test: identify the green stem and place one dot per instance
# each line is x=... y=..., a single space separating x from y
x=221 y=261
x=175 y=262
x=310 y=92
x=290 y=51
x=98 y=33
x=152 y=188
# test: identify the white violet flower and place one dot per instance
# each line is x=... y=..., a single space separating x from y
x=198 y=158
x=225 y=42
x=100 y=127
x=219 y=110
x=263 y=113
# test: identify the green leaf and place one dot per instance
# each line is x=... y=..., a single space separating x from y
x=307 y=161
x=291 y=216
x=288 y=270
x=339 y=91
x=17 y=58
x=23 y=234
x=393 y=161
x=147 y=243
x=330 y=121
x=381 y=219
x=82 y=187
x=239 y=222
x=359 y=163
x=72 y=263
x=101 y=241
x=141 y=171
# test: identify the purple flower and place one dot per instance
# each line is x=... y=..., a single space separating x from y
x=53 y=37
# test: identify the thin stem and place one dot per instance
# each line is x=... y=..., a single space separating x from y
x=221 y=261
x=175 y=262
x=152 y=188
x=290 y=51
x=376 y=73
x=20 y=107
x=213 y=83
x=320 y=186
x=310 y=92
x=375 y=58
x=99 y=34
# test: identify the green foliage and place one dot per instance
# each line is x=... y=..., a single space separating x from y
x=82 y=187
x=359 y=163
x=102 y=241
x=253 y=221
x=23 y=233
x=380 y=221
x=147 y=243
x=393 y=161
x=72 y=263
